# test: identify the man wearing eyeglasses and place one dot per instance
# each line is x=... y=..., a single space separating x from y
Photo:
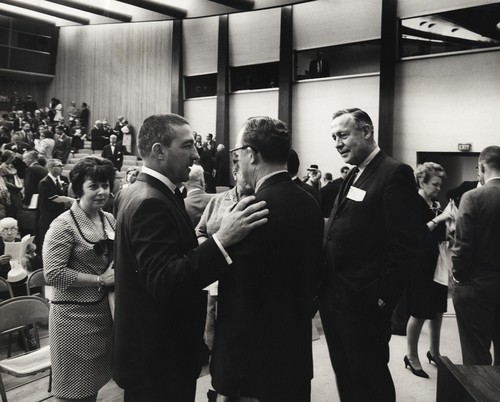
x=263 y=347
x=52 y=198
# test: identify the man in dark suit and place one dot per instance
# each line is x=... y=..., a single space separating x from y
x=98 y=136
x=293 y=164
x=51 y=186
x=34 y=173
x=476 y=264
x=372 y=243
x=328 y=193
x=263 y=341
x=114 y=152
x=161 y=271
x=319 y=67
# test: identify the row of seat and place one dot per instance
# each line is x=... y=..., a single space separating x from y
x=17 y=314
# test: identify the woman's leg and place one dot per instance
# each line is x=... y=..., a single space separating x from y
x=435 y=333
x=413 y=330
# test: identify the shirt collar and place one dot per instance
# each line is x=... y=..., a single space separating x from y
x=369 y=158
x=267 y=176
x=157 y=175
x=54 y=178
x=492 y=178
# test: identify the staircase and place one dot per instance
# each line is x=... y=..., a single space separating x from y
x=128 y=160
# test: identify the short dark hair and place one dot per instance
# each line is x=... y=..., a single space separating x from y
x=158 y=128
x=491 y=157
x=360 y=117
x=293 y=163
x=270 y=137
x=92 y=168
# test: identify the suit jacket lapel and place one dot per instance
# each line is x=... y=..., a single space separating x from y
x=165 y=190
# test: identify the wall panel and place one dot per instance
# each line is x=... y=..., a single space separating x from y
x=412 y=8
x=201 y=114
x=117 y=69
x=331 y=22
x=254 y=37
x=248 y=104
x=200 y=45
x=314 y=103
x=443 y=101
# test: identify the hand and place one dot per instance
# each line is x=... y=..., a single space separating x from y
x=4 y=259
x=244 y=218
x=443 y=217
x=108 y=277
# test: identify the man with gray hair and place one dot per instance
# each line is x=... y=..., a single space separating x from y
x=196 y=198
x=476 y=264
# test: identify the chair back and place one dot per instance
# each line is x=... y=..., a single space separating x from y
x=22 y=311
x=5 y=287
x=35 y=280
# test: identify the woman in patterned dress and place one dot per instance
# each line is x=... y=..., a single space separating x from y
x=77 y=258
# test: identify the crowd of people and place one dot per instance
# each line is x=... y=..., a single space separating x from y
x=152 y=281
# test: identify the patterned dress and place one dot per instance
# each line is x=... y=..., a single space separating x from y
x=80 y=323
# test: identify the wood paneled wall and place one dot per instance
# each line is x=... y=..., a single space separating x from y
x=119 y=69
x=37 y=90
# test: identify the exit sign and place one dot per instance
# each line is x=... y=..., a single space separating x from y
x=464 y=147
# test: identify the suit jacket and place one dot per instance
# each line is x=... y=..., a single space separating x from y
x=306 y=187
x=325 y=70
x=159 y=274
x=62 y=148
x=117 y=156
x=263 y=329
x=196 y=202
x=456 y=193
x=34 y=174
x=476 y=253
x=327 y=195
x=372 y=245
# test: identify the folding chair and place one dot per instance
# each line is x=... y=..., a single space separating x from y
x=16 y=314
x=36 y=280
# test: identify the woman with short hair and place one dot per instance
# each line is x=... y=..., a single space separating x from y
x=77 y=259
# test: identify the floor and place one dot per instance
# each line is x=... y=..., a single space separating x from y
x=409 y=388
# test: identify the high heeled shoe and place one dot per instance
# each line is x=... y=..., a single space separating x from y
x=431 y=358
x=418 y=373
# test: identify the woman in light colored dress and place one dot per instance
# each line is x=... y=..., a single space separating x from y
x=77 y=259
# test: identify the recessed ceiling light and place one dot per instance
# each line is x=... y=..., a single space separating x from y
x=454 y=29
x=431 y=25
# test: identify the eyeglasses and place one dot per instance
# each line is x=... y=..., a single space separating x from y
x=9 y=229
x=232 y=151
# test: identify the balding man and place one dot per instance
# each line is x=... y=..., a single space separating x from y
x=114 y=152
x=196 y=198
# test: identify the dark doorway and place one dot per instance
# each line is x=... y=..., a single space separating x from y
x=459 y=167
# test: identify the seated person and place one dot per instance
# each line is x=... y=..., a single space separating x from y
x=15 y=272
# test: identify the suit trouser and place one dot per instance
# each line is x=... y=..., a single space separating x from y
x=170 y=391
x=358 y=342
x=478 y=317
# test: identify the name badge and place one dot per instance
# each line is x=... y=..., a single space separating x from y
x=356 y=194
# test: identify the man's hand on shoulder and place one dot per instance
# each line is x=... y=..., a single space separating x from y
x=244 y=218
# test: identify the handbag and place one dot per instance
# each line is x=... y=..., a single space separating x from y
x=443 y=264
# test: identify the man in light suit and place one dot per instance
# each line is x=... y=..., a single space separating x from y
x=196 y=198
x=161 y=271
x=372 y=243
x=476 y=264
x=114 y=152
x=263 y=343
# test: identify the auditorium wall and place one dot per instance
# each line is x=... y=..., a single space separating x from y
x=116 y=69
x=445 y=100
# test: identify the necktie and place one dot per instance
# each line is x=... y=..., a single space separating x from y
x=346 y=185
x=179 y=197
x=59 y=185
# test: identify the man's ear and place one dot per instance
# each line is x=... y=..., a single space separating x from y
x=157 y=151
x=367 y=131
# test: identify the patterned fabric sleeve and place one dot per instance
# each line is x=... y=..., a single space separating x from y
x=57 y=249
